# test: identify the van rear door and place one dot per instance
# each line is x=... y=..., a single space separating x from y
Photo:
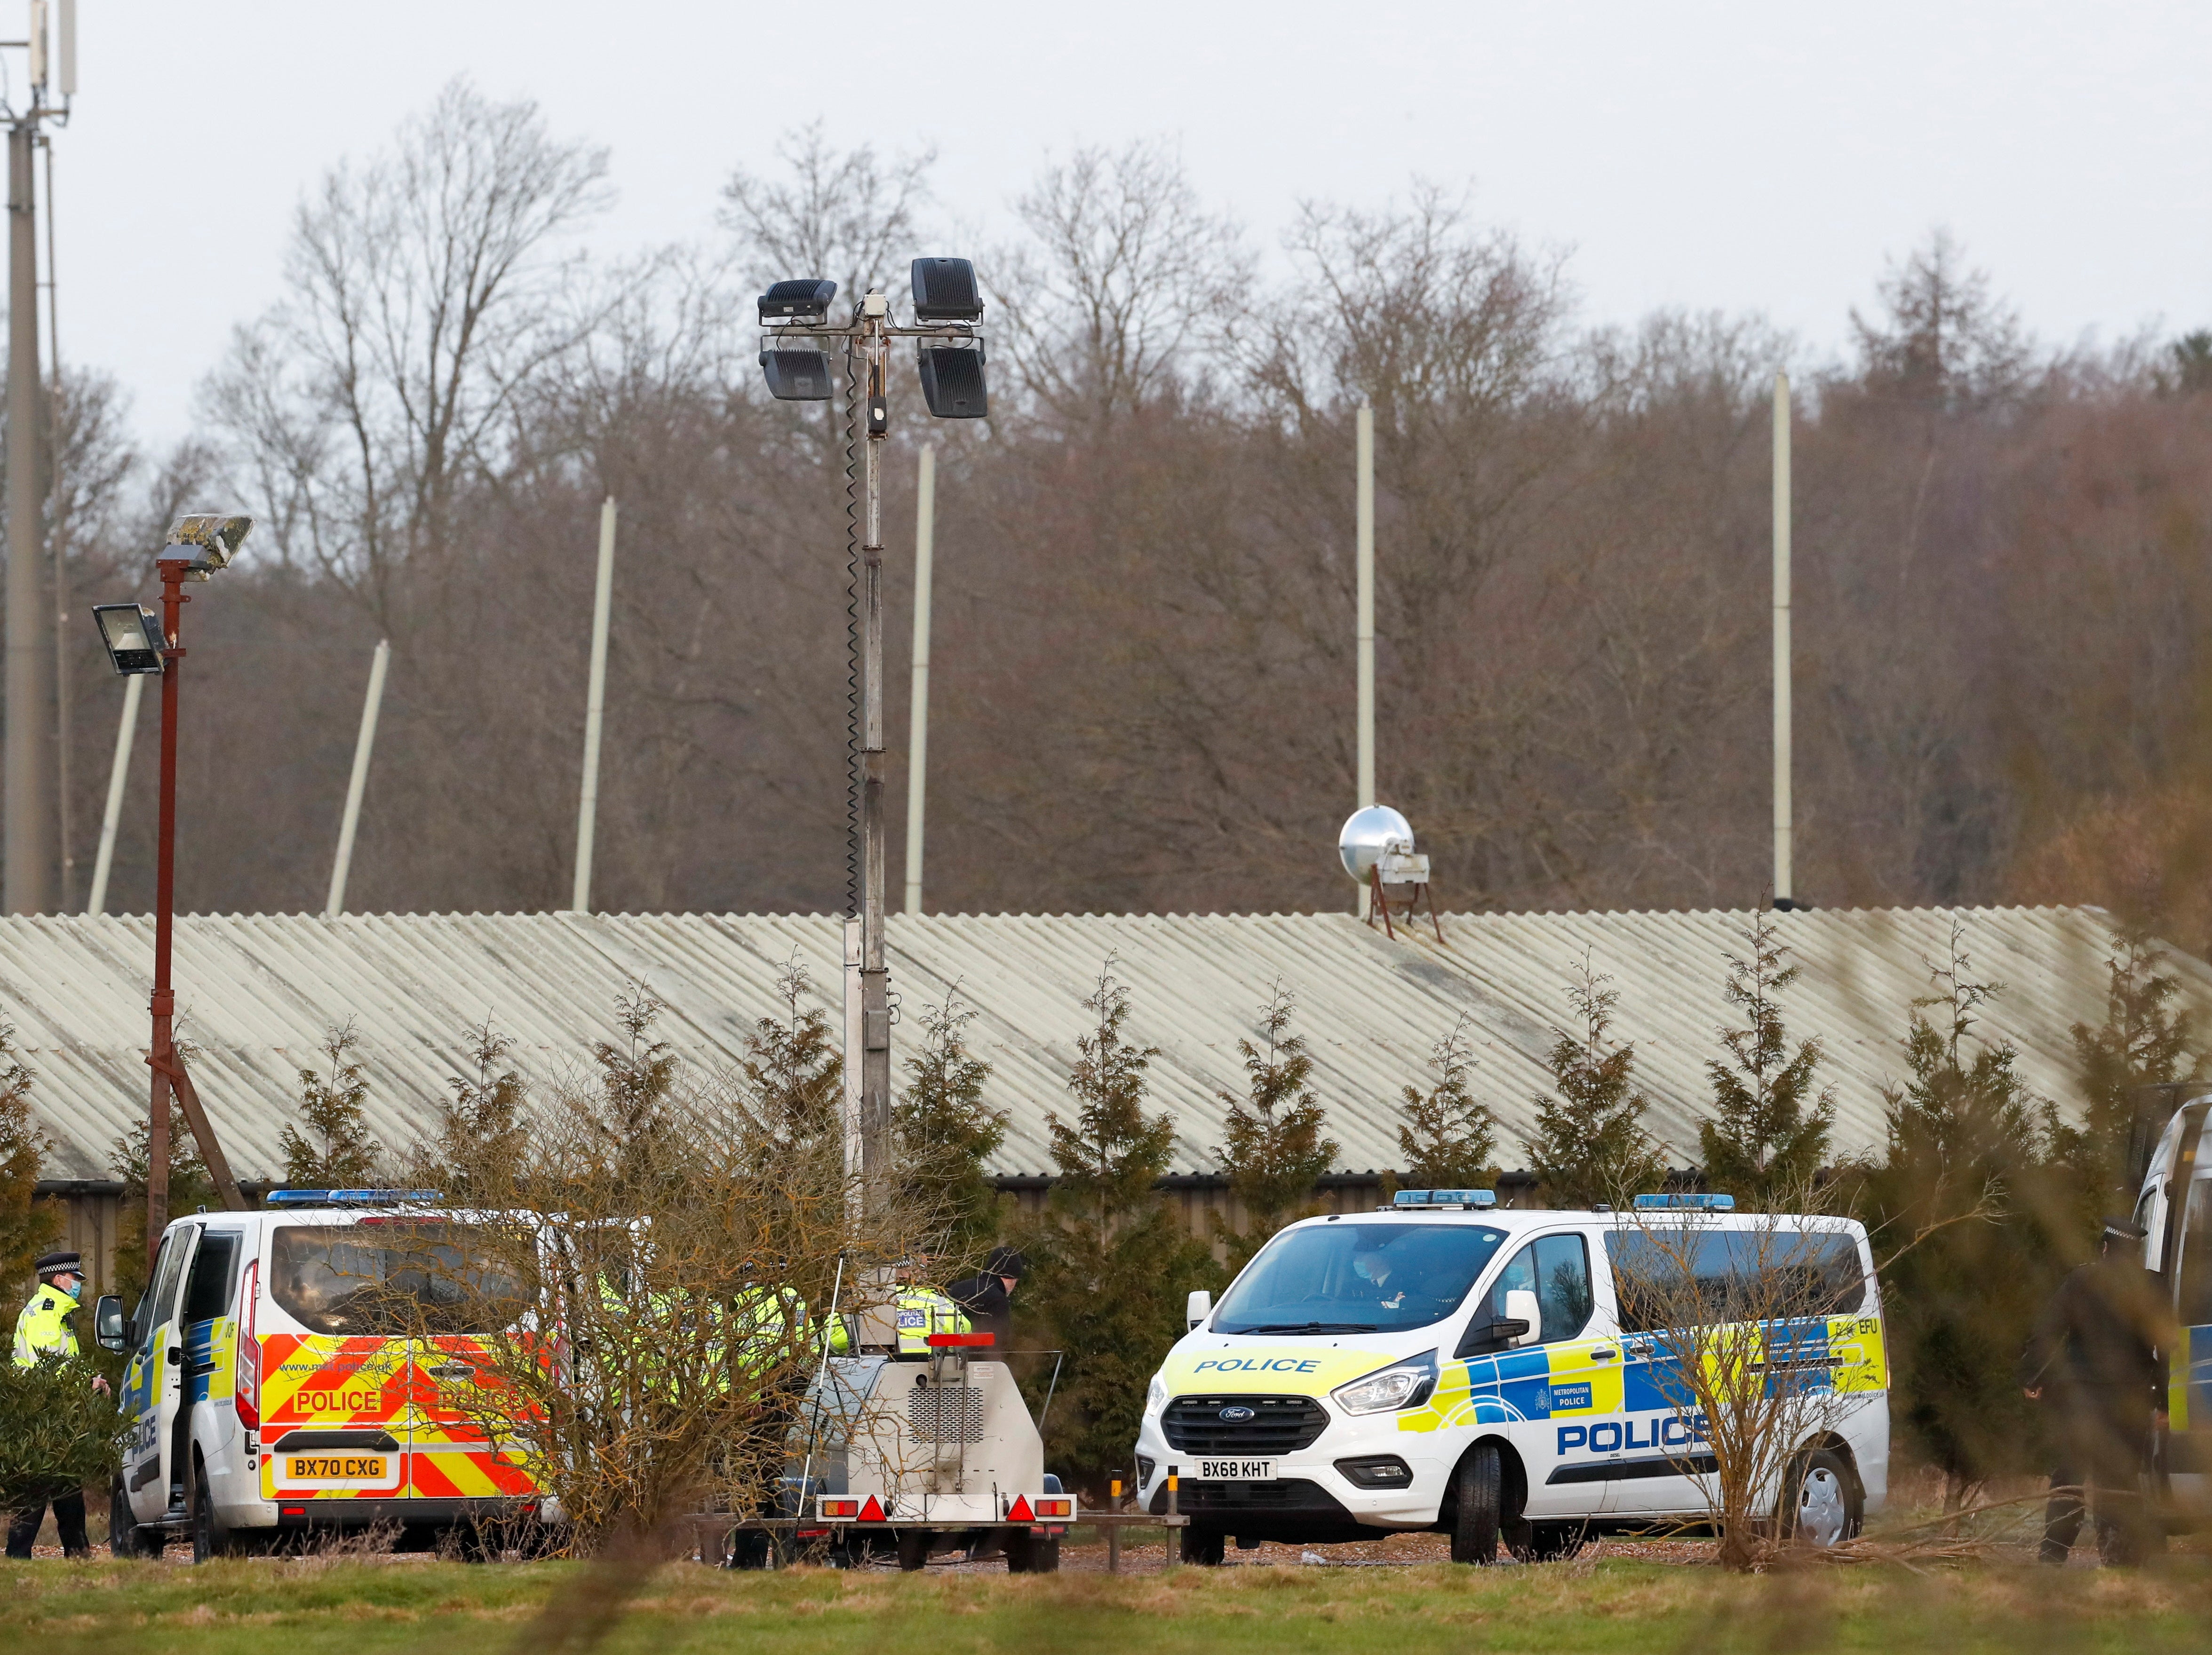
x=460 y=1421
x=335 y=1383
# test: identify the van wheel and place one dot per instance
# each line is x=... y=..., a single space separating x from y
x=1823 y=1507
x=210 y=1538
x=122 y=1528
x=1551 y=1543
x=1204 y=1547
x=1476 y=1497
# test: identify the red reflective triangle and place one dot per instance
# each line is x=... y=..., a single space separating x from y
x=872 y=1512
x=1021 y=1513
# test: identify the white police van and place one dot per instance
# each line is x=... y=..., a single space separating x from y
x=1442 y=1365
x=269 y=1393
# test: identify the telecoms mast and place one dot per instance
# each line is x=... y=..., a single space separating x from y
x=31 y=800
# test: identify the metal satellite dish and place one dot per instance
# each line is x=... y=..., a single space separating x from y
x=1367 y=835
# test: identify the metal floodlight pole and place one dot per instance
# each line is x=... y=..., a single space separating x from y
x=872 y=348
x=866 y=343
x=28 y=809
x=1782 y=825
x=1363 y=497
x=357 y=784
x=595 y=706
x=917 y=761
x=134 y=688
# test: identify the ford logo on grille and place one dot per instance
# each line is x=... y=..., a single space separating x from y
x=1237 y=1416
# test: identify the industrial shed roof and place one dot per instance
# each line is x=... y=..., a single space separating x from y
x=256 y=993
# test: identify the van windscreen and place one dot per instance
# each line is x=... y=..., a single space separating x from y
x=390 y=1279
x=1357 y=1278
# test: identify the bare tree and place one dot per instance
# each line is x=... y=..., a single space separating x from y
x=845 y=214
x=1123 y=286
x=423 y=288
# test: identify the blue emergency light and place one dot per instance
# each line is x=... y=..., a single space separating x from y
x=348 y=1198
x=1446 y=1198
x=1711 y=1203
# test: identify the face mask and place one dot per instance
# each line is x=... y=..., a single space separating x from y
x=75 y=1289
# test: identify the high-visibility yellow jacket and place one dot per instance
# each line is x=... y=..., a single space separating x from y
x=45 y=1325
x=917 y=1313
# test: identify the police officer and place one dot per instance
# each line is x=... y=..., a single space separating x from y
x=988 y=1295
x=46 y=1327
x=2096 y=1363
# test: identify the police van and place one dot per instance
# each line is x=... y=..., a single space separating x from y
x=1442 y=1364
x=272 y=1389
x=2178 y=1246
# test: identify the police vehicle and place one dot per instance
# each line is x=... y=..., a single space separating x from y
x=1442 y=1364
x=268 y=1393
x=2178 y=1246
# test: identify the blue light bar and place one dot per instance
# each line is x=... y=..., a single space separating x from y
x=1712 y=1203
x=348 y=1198
x=1446 y=1198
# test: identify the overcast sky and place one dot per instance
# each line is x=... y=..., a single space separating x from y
x=1743 y=156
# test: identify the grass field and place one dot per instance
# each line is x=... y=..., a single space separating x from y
x=321 y=1606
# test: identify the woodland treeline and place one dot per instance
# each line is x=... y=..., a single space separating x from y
x=1143 y=666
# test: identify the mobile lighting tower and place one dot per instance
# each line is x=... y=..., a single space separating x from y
x=799 y=339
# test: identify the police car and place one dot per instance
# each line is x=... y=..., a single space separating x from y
x=2178 y=1246
x=265 y=1392
x=1442 y=1365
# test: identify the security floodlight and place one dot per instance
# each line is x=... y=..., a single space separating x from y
x=944 y=291
x=205 y=543
x=952 y=382
x=805 y=301
x=132 y=634
x=797 y=376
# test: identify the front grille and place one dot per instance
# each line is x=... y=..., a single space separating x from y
x=1278 y=1425
x=945 y=1414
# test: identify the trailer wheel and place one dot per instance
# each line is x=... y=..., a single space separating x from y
x=1032 y=1554
x=912 y=1549
x=1477 y=1494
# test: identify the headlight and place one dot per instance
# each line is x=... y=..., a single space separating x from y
x=1405 y=1385
x=1156 y=1397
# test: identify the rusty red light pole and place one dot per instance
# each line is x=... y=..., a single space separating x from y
x=197 y=547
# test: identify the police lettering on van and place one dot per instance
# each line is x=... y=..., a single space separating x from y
x=1443 y=1365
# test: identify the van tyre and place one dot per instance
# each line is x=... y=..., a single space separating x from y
x=123 y=1539
x=1204 y=1547
x=1475 y=1507
x=1551 y=1543
x=1823 y=1506
x=211 y=1537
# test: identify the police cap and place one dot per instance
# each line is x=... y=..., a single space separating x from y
x=54 y=1263
x=2121 y=1229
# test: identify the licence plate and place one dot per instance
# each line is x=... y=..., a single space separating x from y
x=337 y=1468
x=1235 y=1470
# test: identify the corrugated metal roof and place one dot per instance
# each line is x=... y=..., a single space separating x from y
x=256 y=993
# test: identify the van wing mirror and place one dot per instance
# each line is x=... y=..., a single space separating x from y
x=1521 y=1307
x=1197 y=1307
x=110 y=1331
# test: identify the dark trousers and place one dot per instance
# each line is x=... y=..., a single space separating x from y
x=69 y=1517
x=2098 y=1471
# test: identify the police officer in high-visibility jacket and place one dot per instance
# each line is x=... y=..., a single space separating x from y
x=917 y=1310
x=46 y=1327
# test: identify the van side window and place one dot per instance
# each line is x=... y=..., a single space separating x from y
x=2195 y=1306
x=163 y=1294
x=207 y=1293
x=1667 y=1278
x=1556 y=1268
